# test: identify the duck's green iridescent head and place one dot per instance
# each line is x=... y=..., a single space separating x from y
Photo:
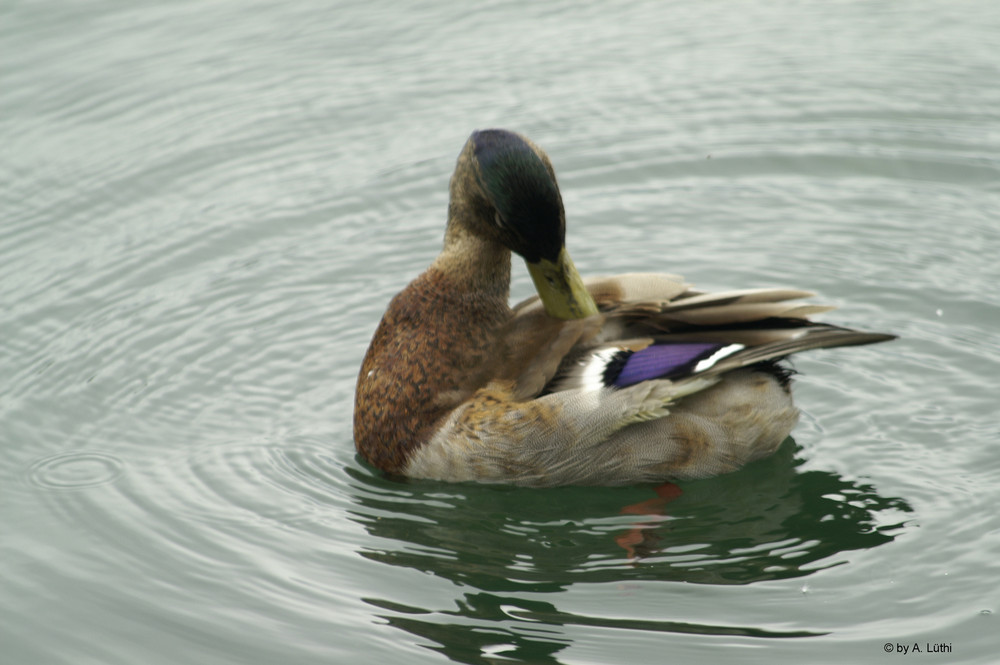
x=528 y=217
x=522 y=187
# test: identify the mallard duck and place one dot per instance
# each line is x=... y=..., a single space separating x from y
x=607 y=381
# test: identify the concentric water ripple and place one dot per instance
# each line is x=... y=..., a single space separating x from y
x=75 y=470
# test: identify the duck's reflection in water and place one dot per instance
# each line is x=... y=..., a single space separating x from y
x=502 y=546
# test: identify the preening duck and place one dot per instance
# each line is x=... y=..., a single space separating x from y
x=607 y=381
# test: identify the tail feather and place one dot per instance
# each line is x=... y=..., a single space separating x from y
x=817 y=337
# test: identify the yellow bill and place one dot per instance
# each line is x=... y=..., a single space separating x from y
x=561 y=288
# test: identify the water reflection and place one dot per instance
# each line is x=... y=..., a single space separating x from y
x=767 y=522
x=524 y=630
x=483 y=643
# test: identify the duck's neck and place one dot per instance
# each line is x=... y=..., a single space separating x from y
x=474 y=264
